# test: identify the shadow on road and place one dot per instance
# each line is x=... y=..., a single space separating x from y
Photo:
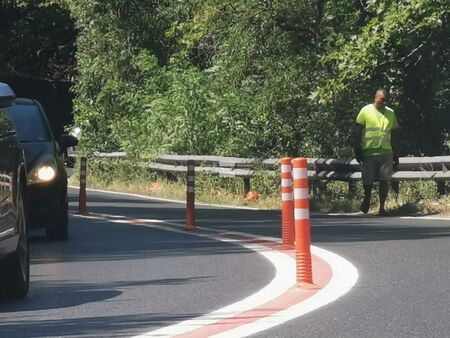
x=45 y=295
x=56 y=295
x=324 y=228
x=97 y=240
x=105 y=326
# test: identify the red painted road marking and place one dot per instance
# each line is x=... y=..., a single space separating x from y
x=322 y=275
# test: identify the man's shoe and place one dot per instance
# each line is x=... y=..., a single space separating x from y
x=365 y=205
x=382 y=212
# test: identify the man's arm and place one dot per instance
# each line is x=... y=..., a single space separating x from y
x=395 y=144
x=358 y=141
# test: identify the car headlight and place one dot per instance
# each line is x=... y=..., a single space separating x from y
x=46 y=173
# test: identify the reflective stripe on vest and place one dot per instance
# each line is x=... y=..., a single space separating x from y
x=376 y=138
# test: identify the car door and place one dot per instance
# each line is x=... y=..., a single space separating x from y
x=8 y=165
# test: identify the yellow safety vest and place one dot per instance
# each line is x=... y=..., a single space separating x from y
x=378 y=125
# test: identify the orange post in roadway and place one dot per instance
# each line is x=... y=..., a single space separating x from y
x=190 y=196
x=302 y=224
x=287 y=203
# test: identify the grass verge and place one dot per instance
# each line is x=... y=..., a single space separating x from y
x=415 y=198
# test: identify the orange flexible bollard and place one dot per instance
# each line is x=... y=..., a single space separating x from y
x=302 y=224
x=190 y=196
x=82 y=194
x=287 y=203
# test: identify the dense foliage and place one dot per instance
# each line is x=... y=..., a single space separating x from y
x=37 y=42
x=258 y=77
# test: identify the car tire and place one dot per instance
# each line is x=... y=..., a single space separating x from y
x=15 y=283
x=58 y=229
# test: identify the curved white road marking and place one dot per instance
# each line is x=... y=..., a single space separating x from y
x=284 y=279
x=344 y=277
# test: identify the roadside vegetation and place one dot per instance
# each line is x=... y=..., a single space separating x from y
x=253 y=78
x=415 y=198
x=256 y=78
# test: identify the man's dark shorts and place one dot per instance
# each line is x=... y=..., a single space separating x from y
x=377 y=168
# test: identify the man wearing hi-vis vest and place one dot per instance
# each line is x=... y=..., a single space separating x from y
x=376 y=147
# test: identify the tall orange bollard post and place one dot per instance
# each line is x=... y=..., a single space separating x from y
x=302 y=224
x=82 y=194
x=287 y=203
x=190 y=196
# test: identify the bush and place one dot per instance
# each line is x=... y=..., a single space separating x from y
x=325 y=196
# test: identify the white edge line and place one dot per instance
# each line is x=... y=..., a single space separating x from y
x=344 y=277
x=283 y=280
x=169 y=200
x=436 y=218
x=431 y=218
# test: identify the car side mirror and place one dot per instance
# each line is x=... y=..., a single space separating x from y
x=7 y=96
x=68 y=141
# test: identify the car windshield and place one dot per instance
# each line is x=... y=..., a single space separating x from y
x=29 y=123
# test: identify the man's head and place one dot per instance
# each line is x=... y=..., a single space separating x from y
x=381 y=98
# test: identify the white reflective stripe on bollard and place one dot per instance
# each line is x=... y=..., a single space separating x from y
x=286 y=182
x=300 y=214
x=300 y=193
x=286 y=196
x=300 y=173
x=286 y=168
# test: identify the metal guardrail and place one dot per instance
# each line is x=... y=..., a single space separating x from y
x=435 y=168
x=409 y=169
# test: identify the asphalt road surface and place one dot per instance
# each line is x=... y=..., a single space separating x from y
x=120 y=280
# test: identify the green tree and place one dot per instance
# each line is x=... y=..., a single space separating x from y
x=37 y=41
x=405 y=47
x=257 y=78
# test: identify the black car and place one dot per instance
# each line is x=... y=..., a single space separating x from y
x=14 y=253
x=47 y=176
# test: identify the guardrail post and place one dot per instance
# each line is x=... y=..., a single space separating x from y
x=246 y=185
x=190 y=196
x=441 y=189
x=351 y=188
x=287 y=202
x=82 y=193
x=302 y=224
